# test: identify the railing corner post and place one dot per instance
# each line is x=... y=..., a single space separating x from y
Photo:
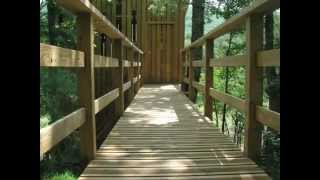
x=86 y=85
x=208 y=78
x=254 y=36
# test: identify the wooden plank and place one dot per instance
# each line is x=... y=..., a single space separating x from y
x=158 y=56
x=57 y=131
x=126 y=63
x=198 y=86
x=205 y=177
x=53 y=56
x=135 y=79
x=161 y=22
x=229 y=99
x=191 y=77
x=102 y=61
x=254 y=89
x=105 y=100
x=198 y=63
x=126 y=86
x=186 y=80
x=101 y=23
x=239 y=60
x=209 y=50
x=169 y=140
x=257 y=7
x=268 y=58
x=86 y=86
x=268 y=118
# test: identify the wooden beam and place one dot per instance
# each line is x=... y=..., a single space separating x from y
x=198 y=86
x=258 y=7
x=57 y=131
x=101 y=23
x=233 y=101
x=208 y=78
x=105 y=100
x=54 y=56
x=86 y=86
x=268 y=117
x=254 y=90
x=197 y=63
x=239 y=60
x=126 y=86
x=105 y=62
x=126 y=63
x=268 y=58
x=191 y=78
x=161 y=22
x=186 y=80
x=135 y=80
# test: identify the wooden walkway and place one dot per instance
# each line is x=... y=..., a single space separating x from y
x=160 y=136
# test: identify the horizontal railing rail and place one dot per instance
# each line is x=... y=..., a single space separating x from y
x=90 y=19
x=253 y=60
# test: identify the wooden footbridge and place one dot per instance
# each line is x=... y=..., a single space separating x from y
x=130 y=129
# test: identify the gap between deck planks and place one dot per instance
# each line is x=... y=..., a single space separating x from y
x=161 y=136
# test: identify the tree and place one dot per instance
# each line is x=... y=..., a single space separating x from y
x=198 y=7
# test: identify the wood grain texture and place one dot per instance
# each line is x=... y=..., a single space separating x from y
x=105 y=62
x=239 y=60
x=101 y=23
x=57 y=131
x=268 y=58
x=161 y=136
x=53 y=56
x=105 y=100
x=268 y=118
x=233 y=101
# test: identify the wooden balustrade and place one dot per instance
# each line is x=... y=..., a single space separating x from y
x=89 y=19
x=254 y=59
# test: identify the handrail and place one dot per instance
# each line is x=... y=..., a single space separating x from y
x=89 y=19
x=102 y=24
x=254 y=59
x=259 y=6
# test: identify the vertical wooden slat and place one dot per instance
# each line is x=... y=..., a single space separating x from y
x=86 y=90
x=191 y=76
x=208 y=78
x=153 y=52
x=169 y=60
x=118 y=76
x=254 y=35
x=144 y=42
x=158 y=64
x=130 y=75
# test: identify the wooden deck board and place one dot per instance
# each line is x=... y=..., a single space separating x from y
x=160 y=136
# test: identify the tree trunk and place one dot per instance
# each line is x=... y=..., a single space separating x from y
x=224 y=123
x=197 y=31
x=52 y=13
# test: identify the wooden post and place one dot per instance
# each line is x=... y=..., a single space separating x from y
x=208 y=78
x=117 y=52
x=142 y=58
x=191 y=77
x=182 y=62
x=86 y=86
x=130 y=75
x=254 y=33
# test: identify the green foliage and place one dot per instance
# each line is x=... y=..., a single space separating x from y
x=58 y=95
x=66 y=175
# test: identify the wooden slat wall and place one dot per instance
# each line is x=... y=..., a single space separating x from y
x=163 y=38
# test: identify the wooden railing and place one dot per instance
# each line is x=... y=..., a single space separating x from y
x=254 y=60
x=88 y=20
